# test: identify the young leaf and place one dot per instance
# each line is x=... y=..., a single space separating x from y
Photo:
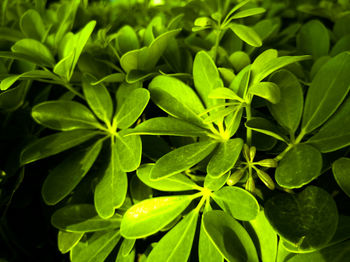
x=300 y=218
x=246 y=34
x=82 y=218
x=299 y=166
x=224 y=93
x=127 y=39
x=214 y=183
x=54 y=144
x=127 y=246
x=177 y=243
x=267 y=90
x=96 y=248
x=289 y=109
x=229 y=237
x=128 y=150
x=335 y=133
x=177 y=99
x=327 y=91
x=32 y=25
x=262 y=61
x=248 y=12
x=67 y=240
x=98 y=99
x=151 y=215
x=341 y=169
x=112 y=78
x=237 y=202
x=67 y=175
x=264 y=126
x=64 y=115
x=168 y=126
x=132 y=108
x=177 y=182
x=225 y=157
x=181 y=159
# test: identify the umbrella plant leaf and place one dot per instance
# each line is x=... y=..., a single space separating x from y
x=181 y=159
x=262 y=61
x=128 y=151
x=64 y=115
x=224 y=93
x=299 y=166
x=32 y=25
x=267 y=90
x=264 y=126
x=246 y=34
x=149 y=216
x=237 y=202
x=67 y=240
x=215 y=183
x=326 y=93
x=225 y=157
x=127 y=39
x=300 y=218
x=341 y=171
x=248 y=12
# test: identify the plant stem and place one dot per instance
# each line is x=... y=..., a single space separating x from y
x=290 y=146
x=217 y=42
x=248 y=111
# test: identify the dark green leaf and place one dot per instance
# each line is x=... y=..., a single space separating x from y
x=32 y=25
x=267 y=90
x=67 y=240
x=127 y=39
x=129 y=150
x=215 y=183
x=264 y=126
x=341 y=171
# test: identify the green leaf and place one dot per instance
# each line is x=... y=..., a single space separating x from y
x=229 y=237
x=263 y=236
x=139 y=191
x=168 y=126
x=341 y=170
x=267 y=90
x=96 y=248
x=32 y=25
x=127 y=246
x=177 y=99
x=66 y=176
x=246 y=34
x=248 y=12
x=177 y=243
x=10 y=34
x=112 y=78
x=12 y=99
x=129 y=150
x=237 y=202
x=33 y=48
x=54 y=144
x=262 y=61
x=23 y=57
x=110 y=191
x=300 y=218
x=82 y=218
x=132 y=108
x=313 y=39
x=181 y=159
x=335 y=133
x=127 y=39
x=327 y=91
x=98 y=99
x=67 y=240
x=264 y=126
x=225 y=157
x=206 y=78
x=177 y=182
x=214 y=183
x=289 y=109
x=224 y=93
x=299 y=166
x=64 y=115
x=151 y=215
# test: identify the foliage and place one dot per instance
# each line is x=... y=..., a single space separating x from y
x=175 y=130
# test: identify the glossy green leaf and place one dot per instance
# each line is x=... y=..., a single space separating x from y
x=32 y=25
x=151 y=215
x=168 y=126
x=229 y=237
x=23 y=57
x=341 y=171
x=299 y=166
x=206 y=78
x=225 y=157
x=82 y=218
x=110 y=191
x=177 y=182
x=33 y=48
x=262 y=61
x=112 y=78
x=224 y=93
x=267 y=90
x=67 y=240
x=127 y=39
x=12 y=99
x=237 y=202
x=132 y=108
x=139 y=191
x=313 y=39
x=181 y=159
x=128 y=258
x=64 y=115
x=127 y=246
x=246 y=34
x=335 y=133
x=266 y=127
x=239 y=60
x=248 y=12
x=129 y=150
x=177 y=99
x=177 y=243
x=287 y=112
x=96 y=248
x=300 y=218
x=263 y=236
x=327 y=91
x=67 y=175
x=215 y=183
x=98 y=99
x=54 y=144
